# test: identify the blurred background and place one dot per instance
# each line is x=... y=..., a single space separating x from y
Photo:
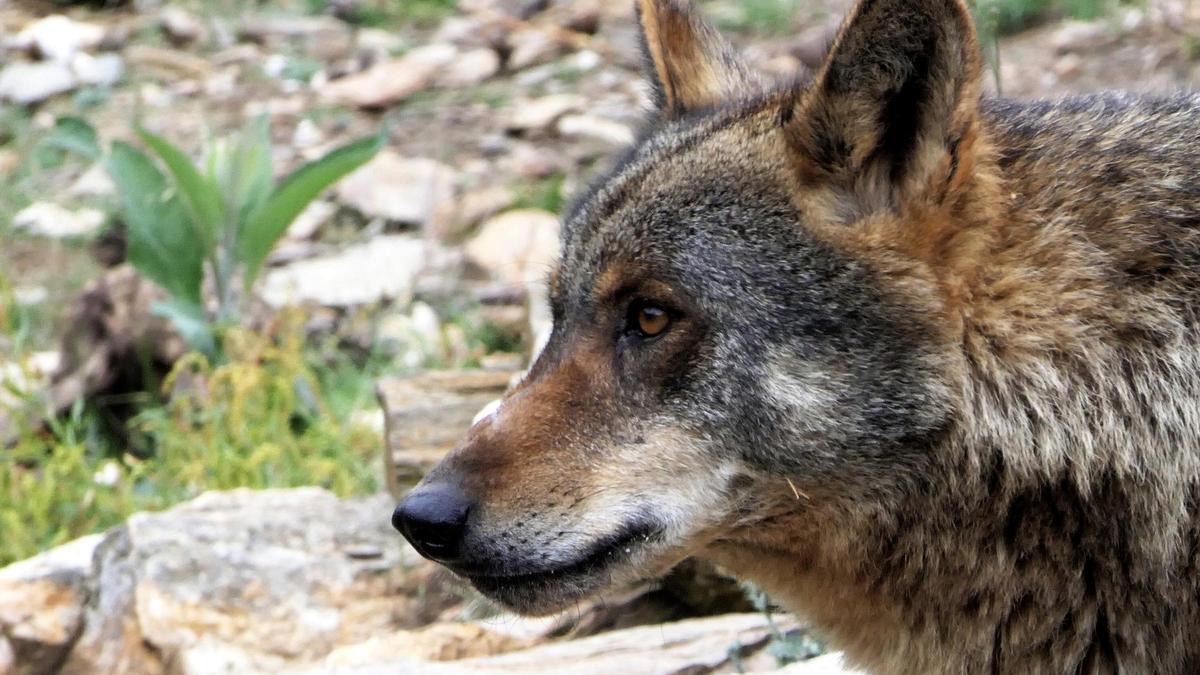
x=262 y=262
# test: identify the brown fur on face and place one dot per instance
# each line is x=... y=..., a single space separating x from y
x=933 y=371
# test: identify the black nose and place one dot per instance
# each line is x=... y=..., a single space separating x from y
x=433 y=518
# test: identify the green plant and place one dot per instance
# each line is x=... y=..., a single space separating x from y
x=260 y=419
x=220 y=220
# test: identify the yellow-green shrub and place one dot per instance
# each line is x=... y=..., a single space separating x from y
x=257 y=420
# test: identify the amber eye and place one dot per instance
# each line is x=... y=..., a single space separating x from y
x=651 y=320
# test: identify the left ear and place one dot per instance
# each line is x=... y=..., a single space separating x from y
x=894 y=112
x=689 y=65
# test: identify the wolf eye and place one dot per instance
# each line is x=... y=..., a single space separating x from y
x=647 y=320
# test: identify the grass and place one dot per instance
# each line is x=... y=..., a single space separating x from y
x=263 y=418
x=545 y=194
x=1003 y=17
x=762 y=17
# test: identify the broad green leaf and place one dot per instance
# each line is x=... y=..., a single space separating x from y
x=259 y=234
x=191 y=322
x=251 y=175
x=163 y=244
x=73 y=134
x=200 y=196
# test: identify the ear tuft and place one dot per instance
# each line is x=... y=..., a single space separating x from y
x=689 y=65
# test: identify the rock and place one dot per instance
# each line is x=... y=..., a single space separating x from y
x=516 y=246
x=1078 y=36
x=596 y=128
x=26 y=83
x=413 y=337
x=438 y=642
x=456 y=218
x=168 y=63
x=181 y=26
x=104 y=70
x=692 y=646
x=256 y=579
x=324 y=36
x=95 y=182
x=9 y=160
x=51 y=220
x=1068 y=66
x=426 y=415
x=383 y=268
x=469 y=69
x=391 y=81
x=311 y=219
x=541 y=113
x=57 y=38
x=532 y=162
x=398 y=189
x=530 y=46
x=307 y=134
x=42 y=603
x=471 y=30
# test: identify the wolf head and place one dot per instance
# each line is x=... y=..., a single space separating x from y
x=749 y=315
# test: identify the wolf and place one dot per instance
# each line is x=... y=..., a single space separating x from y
x=921 y=363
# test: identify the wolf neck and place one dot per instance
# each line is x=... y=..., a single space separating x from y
x=1074 y=330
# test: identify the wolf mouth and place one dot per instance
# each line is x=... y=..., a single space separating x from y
x=601 y=555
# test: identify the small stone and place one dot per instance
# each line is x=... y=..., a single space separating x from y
x=458 y=217
x=531 y=162
x=530 y=46
x=9 y=161
x=1076 y=36
x=26 y=83
x=391 y=81
x=384 y=268
x=104 y=70
x=311 y=219
x=180 y=26
x=51 y=220
x=95 y=182
x=541 y=113
x=596 y=128
x=57 y=38
x=469 y=69
x=1069 y=66
x=169 y=63
x=307 y=134
x=398 y=189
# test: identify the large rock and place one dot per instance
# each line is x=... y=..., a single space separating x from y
x=290 y=575
x=42 y=604
x=384 y=268
x=426 y=415
x=399 y=189
x=716 y=644
x=26 y=83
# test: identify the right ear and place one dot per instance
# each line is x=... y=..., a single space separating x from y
x=689 y=65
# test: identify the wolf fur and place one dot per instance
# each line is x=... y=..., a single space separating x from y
x=932 y=374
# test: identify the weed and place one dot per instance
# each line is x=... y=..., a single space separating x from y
x=219 y=220
x=546 y=194
x=260 y=419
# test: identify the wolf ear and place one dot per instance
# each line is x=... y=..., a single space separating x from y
x=894 y=111
x=689 y=64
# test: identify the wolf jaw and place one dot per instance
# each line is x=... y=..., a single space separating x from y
x=930 y=369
